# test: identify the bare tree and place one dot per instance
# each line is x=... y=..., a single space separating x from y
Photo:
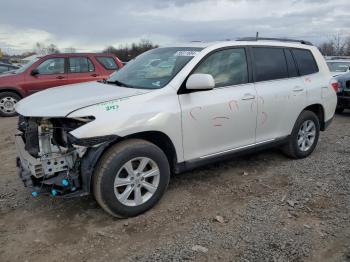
x=42 y=49
x=327 y=48
x=126 y=52
x=70 y=50
x=337 y=45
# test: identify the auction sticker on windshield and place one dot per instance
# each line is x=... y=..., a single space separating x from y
x=186 y=53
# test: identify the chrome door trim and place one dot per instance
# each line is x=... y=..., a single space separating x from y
x=237 y=148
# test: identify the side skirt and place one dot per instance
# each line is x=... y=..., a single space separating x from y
x=199 y=162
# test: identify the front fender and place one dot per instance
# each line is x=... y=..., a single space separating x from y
x=154 y=111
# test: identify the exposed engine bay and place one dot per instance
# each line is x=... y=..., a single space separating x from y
x=49 y=158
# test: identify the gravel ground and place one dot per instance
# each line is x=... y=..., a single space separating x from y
x=261 y=207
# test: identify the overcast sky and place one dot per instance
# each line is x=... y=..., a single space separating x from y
x=91 y=25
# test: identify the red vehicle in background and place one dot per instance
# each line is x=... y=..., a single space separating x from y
x=50 y=71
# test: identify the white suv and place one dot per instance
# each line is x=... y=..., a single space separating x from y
x=169 y=110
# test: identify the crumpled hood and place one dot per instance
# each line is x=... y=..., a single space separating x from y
x=60 y=101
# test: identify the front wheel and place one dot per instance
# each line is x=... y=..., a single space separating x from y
x=8 y=101
x=304 y=137
x=131 y=177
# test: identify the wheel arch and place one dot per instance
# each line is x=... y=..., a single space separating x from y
x=161 y=140
x=320 y=113
x=13 y=90
x=94 y=155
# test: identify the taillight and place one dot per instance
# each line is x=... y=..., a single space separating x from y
x=335 y=85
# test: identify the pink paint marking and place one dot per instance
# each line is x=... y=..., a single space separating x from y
x=308 y=79
x=264 y=118
x=261 y=99
x=252 y=106
x=218 y=121
x=192 y=112
x=234 y=106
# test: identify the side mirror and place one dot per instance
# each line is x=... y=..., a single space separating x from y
x=200 y=82
x=34 y=72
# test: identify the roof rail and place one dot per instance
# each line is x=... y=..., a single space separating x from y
x=274 y=39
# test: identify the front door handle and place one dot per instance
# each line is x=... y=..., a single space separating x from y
x=248 y=97
x=60 y=77
x=298 y=89
x=94 y=75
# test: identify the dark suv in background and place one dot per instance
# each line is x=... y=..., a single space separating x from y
x=343 y=92
x=50 y=71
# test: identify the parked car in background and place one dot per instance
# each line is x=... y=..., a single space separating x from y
x=7 y=67
x=343 y=92
x=50 y=71
x=170 y=110
x=338 y=66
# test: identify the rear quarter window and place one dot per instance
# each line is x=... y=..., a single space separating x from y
x=305 y=61
x=107 y=62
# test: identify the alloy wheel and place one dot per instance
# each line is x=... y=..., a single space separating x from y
x=136 y=181
x=306 y=135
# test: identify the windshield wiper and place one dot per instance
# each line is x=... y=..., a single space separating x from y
x=118 y=83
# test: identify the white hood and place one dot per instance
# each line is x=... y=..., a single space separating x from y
x=60 y=101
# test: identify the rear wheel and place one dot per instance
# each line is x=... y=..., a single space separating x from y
x=304 y=137
x=131 y=177
x=8 y=101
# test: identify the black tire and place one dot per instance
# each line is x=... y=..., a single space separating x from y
x=339 y=110
x=292 y=148
x=109 y=165
x=4 y=112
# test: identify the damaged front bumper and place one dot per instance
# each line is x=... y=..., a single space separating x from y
x=62 y=169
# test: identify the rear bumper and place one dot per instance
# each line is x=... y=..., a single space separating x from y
x=343 y=102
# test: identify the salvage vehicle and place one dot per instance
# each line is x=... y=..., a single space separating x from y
x=343 y=92
x=50 y=71
x=120 y=139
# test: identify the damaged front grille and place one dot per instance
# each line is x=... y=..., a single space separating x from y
x=39 y=137
x=48 y=160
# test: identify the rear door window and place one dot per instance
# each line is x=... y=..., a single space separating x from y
x=228 y=67
x=269 y=63
x=107 y=62
x=305 y=61
x=80 y=65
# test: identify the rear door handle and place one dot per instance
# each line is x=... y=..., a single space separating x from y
x=94 y=75
x=60 y=77
x=248 y=97
x=298 y=89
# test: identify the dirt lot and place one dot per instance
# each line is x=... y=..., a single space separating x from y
x=274 y=209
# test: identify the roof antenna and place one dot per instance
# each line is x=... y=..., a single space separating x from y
x=257 y=36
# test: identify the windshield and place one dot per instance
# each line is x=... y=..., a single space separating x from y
x=155 y=68
x=26 y=66
x=338 y=66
